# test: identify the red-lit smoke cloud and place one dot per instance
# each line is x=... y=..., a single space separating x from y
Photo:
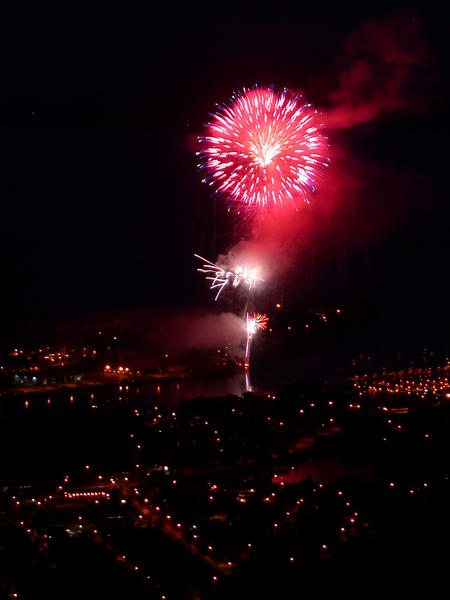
x=382 y=70
x=204 y=331
x=284 y=243
x=144 y=335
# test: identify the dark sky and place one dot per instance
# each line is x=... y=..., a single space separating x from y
x=99 y=190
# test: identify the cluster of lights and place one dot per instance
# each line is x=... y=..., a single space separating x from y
x=55 y=357
x=117 y=370
x=84 y=495
x=409 y=382
x=156 y=512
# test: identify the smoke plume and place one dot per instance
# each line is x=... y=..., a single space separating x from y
x=382 y=70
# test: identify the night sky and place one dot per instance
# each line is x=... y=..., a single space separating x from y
x=99 y=188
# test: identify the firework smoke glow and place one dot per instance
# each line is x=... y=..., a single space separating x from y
x=265 y=149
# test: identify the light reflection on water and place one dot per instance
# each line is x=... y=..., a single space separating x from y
x=165 y=393
x=170 y=392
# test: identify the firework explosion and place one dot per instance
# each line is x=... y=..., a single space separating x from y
x=221 y=277
x=265 y=149
x=255 y=322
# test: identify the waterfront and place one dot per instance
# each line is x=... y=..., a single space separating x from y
x=131 y=483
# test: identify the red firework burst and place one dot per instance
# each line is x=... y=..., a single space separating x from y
x=257 y=322
x=265 y=149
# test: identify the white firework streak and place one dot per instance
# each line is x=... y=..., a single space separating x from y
x=220 y=277
x=250 y=276
x=214 y=273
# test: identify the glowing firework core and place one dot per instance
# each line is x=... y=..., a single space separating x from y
x=264 y=149
x=256 y=322
x=244 y=273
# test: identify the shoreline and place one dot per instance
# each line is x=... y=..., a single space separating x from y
x=104 y=381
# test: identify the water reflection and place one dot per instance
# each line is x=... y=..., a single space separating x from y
x=170 y=393
x=248 y=387
x=166 y=393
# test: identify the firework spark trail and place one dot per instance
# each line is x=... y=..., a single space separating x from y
x=221 y=277
x=255 y=322
x=265 y=149
x=214 y=273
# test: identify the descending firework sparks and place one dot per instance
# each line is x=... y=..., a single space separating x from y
x=255 y=322
x=221 y=277
x=265 y=149
x=217 y=275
